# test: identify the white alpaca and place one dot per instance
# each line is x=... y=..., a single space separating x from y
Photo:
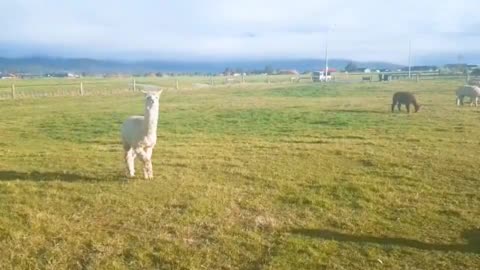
x=471 y=91
x=139 y=136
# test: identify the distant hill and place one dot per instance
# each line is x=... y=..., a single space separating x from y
x=40 y=65
x=449 y=58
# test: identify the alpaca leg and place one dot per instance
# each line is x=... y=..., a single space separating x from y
x=393 y=106
x=149 y=152
x=145 y=165
x=408 y=107
x=399 y=107
x=476 y=101
x=458 y=101
x=130 y=162
x=146 y=162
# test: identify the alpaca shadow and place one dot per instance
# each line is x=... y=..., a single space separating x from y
x=355 y=111
x=44 y=176
x=472 y=237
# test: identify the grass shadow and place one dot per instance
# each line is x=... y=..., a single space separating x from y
x=357 y=111
x=472 y=237
x=44 y=176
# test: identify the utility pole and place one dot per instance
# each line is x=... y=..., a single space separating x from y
x=410 y=59
x=326 y=51
x=326 y=56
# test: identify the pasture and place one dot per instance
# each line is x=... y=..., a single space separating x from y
x=259 y=176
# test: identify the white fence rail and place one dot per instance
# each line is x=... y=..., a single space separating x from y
x=21 y=89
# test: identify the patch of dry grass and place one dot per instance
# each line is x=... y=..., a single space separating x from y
x=301 y=176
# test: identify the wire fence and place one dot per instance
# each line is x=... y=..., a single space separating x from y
x=37 y=88
x=20 y=89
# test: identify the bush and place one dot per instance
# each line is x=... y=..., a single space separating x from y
x=475 y=72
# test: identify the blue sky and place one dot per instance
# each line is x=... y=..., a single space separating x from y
x=247 y=29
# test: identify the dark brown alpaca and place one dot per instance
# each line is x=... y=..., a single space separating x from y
x=405 y=98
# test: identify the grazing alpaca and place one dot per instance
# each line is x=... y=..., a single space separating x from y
x=471 y=91
x=405 y=98
x=139 y=136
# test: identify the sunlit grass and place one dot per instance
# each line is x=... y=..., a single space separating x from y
x=280 y=176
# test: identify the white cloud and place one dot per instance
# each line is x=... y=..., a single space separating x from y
x=363 y=30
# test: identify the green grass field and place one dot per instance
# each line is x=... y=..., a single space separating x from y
x=279 y=176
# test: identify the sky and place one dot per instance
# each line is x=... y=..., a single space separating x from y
x=367 y=30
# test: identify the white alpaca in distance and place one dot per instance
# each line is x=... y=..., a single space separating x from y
x=471 y=91
x=139 y=135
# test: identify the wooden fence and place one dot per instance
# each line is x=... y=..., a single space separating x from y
x=397 y=76
x=21 y=90
x=44 y=88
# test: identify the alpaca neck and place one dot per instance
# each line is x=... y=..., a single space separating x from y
x=151 y=120
x=415 y=104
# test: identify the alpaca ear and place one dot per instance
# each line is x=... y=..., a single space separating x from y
x=157 y=92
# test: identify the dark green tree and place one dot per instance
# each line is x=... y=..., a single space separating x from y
x=269 y=69
x=475 y=72
x=351 y=67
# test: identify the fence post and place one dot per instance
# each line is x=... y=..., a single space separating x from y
x=243 y=78
x=81 y=88
x=134 y=86
x=211 y=81
x=418 y=77
x=176 y=84
x=13 y=91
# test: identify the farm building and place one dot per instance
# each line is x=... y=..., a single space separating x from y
x=459 y=67
x=421 y=68
x=329 y=71
x=319 y=76
x=5 y=76
x=288 y=72
x=363 y=70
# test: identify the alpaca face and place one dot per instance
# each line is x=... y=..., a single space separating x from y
x=417 y=108
x=152 y=99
